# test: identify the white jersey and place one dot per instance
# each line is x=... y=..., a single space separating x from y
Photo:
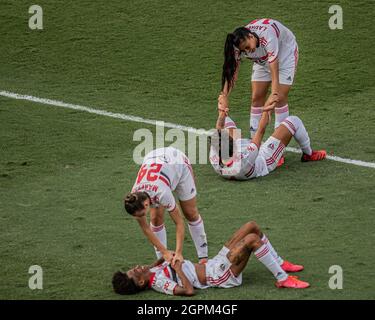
x=275 y=41
x=160 y=174
x=218 y=274
x=246 y=163
x=164 y=279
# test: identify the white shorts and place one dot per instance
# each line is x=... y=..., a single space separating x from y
x=288 y=61
x=186 y=189
x=218 y=273
x=271 y=151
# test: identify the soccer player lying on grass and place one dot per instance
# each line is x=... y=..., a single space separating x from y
x=241 y=159
x=223 y=271
x=165 y=170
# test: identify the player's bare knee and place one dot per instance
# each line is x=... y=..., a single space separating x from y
x=253 y=241
x=157 y=220
x=252 y=227
x=191 y=214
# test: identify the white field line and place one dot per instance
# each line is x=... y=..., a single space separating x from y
x=125 y=117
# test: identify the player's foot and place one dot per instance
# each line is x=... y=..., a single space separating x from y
x=203 y=260
x=290 y=267
x=315 y=156
x=281 y=162
x=292 y=282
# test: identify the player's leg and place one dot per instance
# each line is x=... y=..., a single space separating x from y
x=293 y=126
x=259 y=89
x=282 y=107
x=239 y=256
x=196 y=227
x=253 y=228
x=158 y=228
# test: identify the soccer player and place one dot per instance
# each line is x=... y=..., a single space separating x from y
x=274 y=50
x=241 y=159
x=223 y=271
x=165 y=170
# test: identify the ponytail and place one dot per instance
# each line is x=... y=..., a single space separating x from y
x=230 y=63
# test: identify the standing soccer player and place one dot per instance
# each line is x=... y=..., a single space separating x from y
x=274 y=50
x=165 y=170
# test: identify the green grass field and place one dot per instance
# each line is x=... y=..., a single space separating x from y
x=63 y=173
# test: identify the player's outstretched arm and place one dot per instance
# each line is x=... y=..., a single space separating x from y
x=180 y=234
x=157 y=262
x=167 y=255
x=257 y=139
x=220 y=122
x=187 y=288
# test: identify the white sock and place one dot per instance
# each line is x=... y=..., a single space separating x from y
x=264 y=255
x=229 y=123
x=272 y=250
x=281 y=114
x=161 y=233
x=255 y=115
x=198 y=235
x=298 y=130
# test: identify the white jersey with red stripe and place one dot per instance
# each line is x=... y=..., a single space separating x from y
x=245 y=164
x=275 y=41
x=164 y=279
x=160 y=174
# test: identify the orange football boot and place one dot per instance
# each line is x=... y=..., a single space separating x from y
x=315 y=156
x=290 y=267
x=292 y=282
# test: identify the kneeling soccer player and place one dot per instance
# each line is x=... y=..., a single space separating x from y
x=163 y=171
x=246 y=158
x=223 y=271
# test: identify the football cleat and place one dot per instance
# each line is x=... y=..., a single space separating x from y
x=281 y=162
x=315 y=156
x=292 y=282
x=290 y=267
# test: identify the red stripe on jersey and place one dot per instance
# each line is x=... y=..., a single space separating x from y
x=151 y=281
x=164 y=180
x=276 y=30
x=166 y=272
x=273 y=60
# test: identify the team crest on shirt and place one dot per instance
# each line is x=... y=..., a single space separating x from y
x=271 y=146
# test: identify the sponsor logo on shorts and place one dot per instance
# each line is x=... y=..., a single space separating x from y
x=271 y=146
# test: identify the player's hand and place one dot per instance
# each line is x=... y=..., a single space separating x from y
x=177 y=258
x=168 y=256
x=271 y=102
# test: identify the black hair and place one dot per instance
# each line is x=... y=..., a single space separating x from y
x=134 y=201
x=122 y=284
x=222 y=140
x=229 y=67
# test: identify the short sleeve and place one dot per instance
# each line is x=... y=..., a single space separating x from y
x=271 y=44
x=163 y=285
x=167 y=200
